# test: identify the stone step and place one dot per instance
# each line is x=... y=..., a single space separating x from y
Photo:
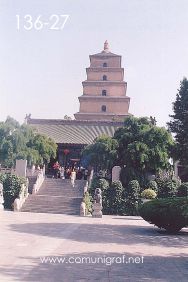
x=49 y=206
x=56 y=196
x=54 y=212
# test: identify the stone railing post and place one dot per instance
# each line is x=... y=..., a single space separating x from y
x=1 y=197
x=116 y=173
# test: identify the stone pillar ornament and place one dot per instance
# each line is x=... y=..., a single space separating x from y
x=1 y=197
x=116 y=173
x=83 y=209
x=97 y=205
x=21 y=168
x=106 y=47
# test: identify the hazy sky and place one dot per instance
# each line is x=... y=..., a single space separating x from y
x=41 y=70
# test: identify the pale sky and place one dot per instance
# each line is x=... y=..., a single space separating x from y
x=41 y=70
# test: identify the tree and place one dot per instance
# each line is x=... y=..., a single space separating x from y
x=102 y=153
x=179 y=123
x=143 y=148
x=23 y=142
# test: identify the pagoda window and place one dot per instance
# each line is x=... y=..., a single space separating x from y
x=103 y=92
x=103 y=108
x=105 y=65
x=104 y=77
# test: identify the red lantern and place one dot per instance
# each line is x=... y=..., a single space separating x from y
x=66 y=151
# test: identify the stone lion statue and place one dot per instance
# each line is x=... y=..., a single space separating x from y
x=98 y=196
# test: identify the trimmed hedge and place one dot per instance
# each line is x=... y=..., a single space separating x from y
x=170 y=214
x=87 y=200
x=113 y=203
x=11 y=188
x=153 y=185
x=183 y=190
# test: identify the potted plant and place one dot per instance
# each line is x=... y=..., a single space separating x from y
x=148 y=195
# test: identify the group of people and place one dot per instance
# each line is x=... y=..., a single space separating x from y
x=69 y=172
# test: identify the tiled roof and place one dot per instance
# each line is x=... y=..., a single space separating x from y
x=74 y=131
x=105 y=54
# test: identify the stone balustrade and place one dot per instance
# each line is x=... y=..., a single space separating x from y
x=18 y=202
x=4 y=170
x=39 y=181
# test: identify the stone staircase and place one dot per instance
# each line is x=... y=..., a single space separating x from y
x=56 y=196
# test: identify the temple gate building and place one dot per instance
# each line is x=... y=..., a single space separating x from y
x=103 y=108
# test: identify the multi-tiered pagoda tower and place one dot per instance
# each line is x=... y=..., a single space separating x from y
x=104 y=91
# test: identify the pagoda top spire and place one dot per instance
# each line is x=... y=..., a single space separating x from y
x=106 y=47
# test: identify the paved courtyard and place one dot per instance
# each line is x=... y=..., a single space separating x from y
x=54 y=248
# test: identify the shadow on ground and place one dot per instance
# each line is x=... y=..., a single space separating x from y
x=105 y=233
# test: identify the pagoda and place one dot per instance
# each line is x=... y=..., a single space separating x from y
x=104 y=91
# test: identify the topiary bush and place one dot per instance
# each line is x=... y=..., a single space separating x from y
x=148 y=194
x=87 y=199
x=183 y=190
x=133 y=189
x=168 y=190
x=103 y=184
x=94 y=185
x=153 y=185
x=132 y=195
x=167 y=185
x=170 y=214
x=114 y=199
x=11 y=188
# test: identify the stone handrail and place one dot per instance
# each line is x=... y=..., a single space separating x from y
x=83 y=205
x=34 y=172
x=4 y=170
x=39 y=181
x=18 y=202
x=90 y=178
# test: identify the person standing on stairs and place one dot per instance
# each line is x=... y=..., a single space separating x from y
x=73 y=177
x=56 y=168
x=62 y=172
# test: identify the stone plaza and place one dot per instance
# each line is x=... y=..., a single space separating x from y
x=34 y=245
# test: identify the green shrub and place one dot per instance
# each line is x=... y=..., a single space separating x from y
x=114 y=199
x=183 y=190
x=168 y=190
x=87 y=199
x=11 y=188
x=148 y=194
x=167 y=186
x=101 y=183
x=153 y=185
x=133 y=189
x=132 y=194
x=170 y=214
x=94 y=185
